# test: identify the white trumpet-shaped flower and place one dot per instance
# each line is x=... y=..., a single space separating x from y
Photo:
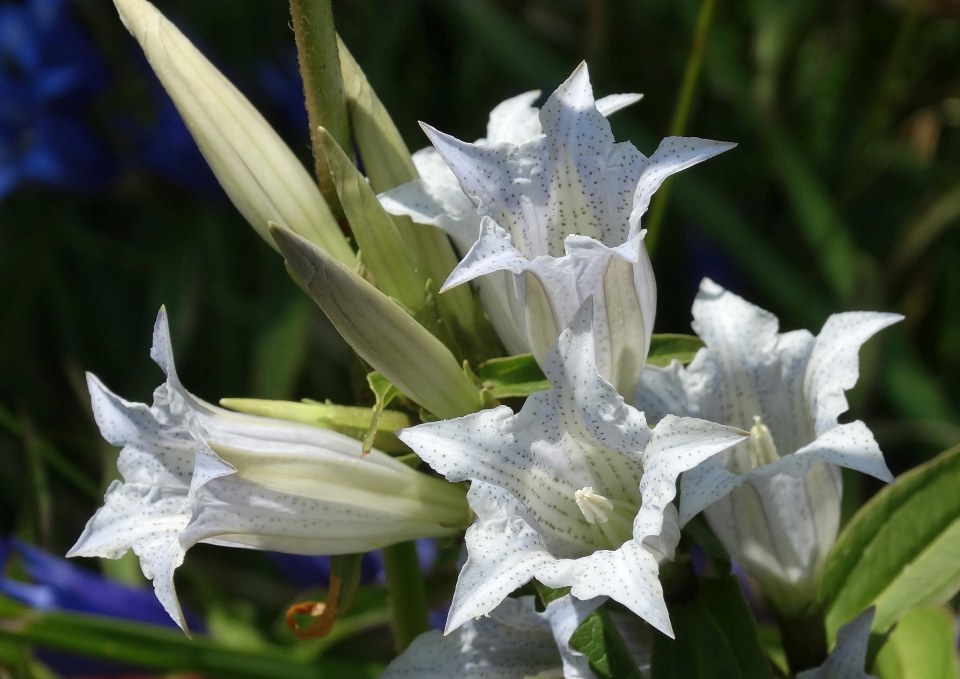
x=193 y=472
x=560 y=221
x=774 y=500
x=574 y=490
x=514 y=642
x=437 y=199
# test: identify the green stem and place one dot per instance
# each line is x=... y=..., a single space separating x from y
x=682 y=111
x=406 y=596
x=319 y=58
x=804 y=640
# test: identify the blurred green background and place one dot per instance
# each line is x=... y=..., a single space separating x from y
x=843 y=194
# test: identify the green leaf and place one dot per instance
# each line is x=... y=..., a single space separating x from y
x=353 y=421
x=598 y=639
x=921 y=647
x=716 y=637
x=901 y=550
x=161 y=648
x=669 y=347
x=512 y=376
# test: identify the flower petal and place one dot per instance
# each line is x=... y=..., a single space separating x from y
x=505 y=551
x=679 y=444
x=834 y=363
x=514 y=121
x=673 y=155
x=138 y=517
x=628 y=575
x=513 y=642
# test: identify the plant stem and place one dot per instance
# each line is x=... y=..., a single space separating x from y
x=804 y=640
x=319 y=59
x=406 y=597
x=682 y=111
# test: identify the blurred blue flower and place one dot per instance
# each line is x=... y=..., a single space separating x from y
x=165 y=148
x=279 y=97
x=59 y=585
x=50 y=74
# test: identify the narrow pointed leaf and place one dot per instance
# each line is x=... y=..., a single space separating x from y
x=901 y=550
x=383 y=334
x=385 y=155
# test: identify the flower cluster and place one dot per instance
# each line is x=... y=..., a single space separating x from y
x=574 y=489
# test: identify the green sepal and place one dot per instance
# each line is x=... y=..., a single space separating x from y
x=358 y=423
x=511 y=376
x=384 y=392
x=386 y=254
x=388 y=164
x=598 y=639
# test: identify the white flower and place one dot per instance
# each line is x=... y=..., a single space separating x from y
x=560 y=222
x=774 y=500
x=513 y=642
x=193 y=472
x=574 y=490
x=437 y=199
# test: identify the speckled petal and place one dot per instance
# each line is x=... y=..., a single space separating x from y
x=679 y=444
x=493 y=251
x=673 y=155
x=834 y=363
x=628 y=575
x=513 y=642
x=139 y=517
x=505 y=551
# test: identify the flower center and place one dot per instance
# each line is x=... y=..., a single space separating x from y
x=763 y=450
x=611 y=520
x=595 y=507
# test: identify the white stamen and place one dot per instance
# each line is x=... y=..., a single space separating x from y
x=763 y=450
x=595 y=507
